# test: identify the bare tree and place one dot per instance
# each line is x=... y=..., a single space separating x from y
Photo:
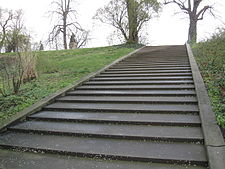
x=66 y=23
x=114 y=14
x=17 y=37
x=195 y=12
x=115 y=37
x=128 y=16
x=6 y=17
x=13 y=35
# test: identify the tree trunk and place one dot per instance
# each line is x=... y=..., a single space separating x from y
x=132 y=19
x=3 y=39
x=64 y=33
x=192 y=32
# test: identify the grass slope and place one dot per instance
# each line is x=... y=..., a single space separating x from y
x=58 y=69
x=210 y=56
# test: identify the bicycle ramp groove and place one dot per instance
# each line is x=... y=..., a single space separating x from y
x=141 y=112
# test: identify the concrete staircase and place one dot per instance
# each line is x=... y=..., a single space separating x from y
x=140 y=113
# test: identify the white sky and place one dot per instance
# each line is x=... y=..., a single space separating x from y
x=165 y=30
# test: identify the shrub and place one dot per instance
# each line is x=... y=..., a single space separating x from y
x=14 y=70
x=210 y=56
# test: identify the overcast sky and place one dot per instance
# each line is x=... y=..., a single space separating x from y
x=165 y=30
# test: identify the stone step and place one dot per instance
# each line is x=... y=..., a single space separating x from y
x=143 y=82
x=144 y=75
x=154 y=61
x=133 y=150
x=120 y=131
x=129 y=99
x=157 y=59
x=152 y=64
x=136 y=87
x=132 y=69
x=120 y=118
x=26 y=160
x=123 y=107
x=146 y=71
x=148 y=66
x=153 y=92
x=141 y=78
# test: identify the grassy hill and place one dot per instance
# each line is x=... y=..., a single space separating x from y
x=210 y=56
x=58 y=69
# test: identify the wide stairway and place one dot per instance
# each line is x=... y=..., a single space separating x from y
x=140 y=113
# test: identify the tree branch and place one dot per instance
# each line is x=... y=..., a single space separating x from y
x=201 y=13
x=180 y=4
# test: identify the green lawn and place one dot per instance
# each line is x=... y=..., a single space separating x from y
x=58 y=69
x=210 y=56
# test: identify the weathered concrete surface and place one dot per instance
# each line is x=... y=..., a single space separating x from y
x=214 y=141
x=109 y=148
x=141 y=112
x=120 y=118
x=144 y=132
x=124 y=107
x=23 y=160
x=130 y=99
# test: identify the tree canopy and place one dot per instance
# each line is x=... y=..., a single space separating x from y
x=13 y=33
x=128 y=16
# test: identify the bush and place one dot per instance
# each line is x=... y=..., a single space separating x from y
x=210 y=56
x=16 y=69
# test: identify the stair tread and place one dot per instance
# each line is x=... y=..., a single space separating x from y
x=124 y=62
x=146 y=71
x=25 y=160
x=149 y=82
x=141 y=78
x=165 y=68
x=124 y=106
x=121 y=117
x=108 y=147
x=143 y=74
x=149 y=65
x=131 y=98
x=110 y=130
x=133 y=92
x=188 y=86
